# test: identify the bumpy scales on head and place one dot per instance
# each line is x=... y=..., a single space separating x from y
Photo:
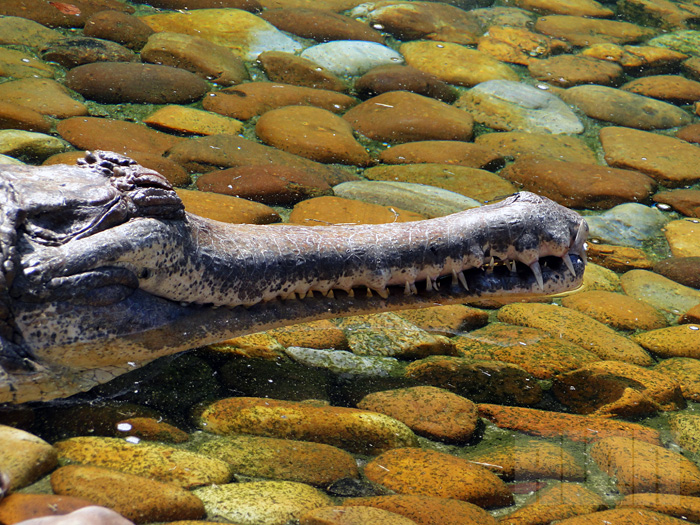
x=104 y=271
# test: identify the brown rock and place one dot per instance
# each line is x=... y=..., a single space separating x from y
x=314 y=133
x=320 y=335
x=556 y=425
x=320 y=25
x=579 y=185
x=642 y=467
x=287 y=68
x=119 y=27
x=399 y=116
x=228 y=151
x=684 y=270
x=51 y=16
x=581 y=31
x=22 y=31
x=518 y=45
x=72 y=52
x=189 y=121
x=659 y=13
x=443 y=152
x=684 y=370
x=90 y=133
x=139 y=499
x=253 y=6
x=672 y=162
x=255 y=98
x=430 y=473
x=671 y=88
x=622 y=517
x=617 y=310
x=18 y=64
x=683 y=237
x=637 y=59
x=686 y=202
x=518 y=143
x=689 y=133
x=429 y=411
x=227 y=209
x=271 y=184
x=682 y=507
x=589 y=8
x=151 y=429
x=117 y=82
x=428 y=509
x=625 y=109
x=477 y=380
x=336 y=210
x=18 y=507
x=618 y=258
x=13 y=116
x=447 y=319
x=675 y=341
x=613 y=388
x=403 y=78
x=342 y=515
x=202 y=57
x=573 y=70
x=24 y=457
x=42 y=95
x=478 y=184
x=691 y=316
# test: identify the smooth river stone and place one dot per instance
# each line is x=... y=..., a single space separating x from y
x=455 y=152
x=667 y=296
x=618 y=258
x=118 y=82
x=671 y=88
x=25 y=457
x=351 y=57
x=431 y=473
x=21 y=31
x=629 y=224
x=683 y=237
x=13 y=116
x=519 y=46
x=381 y=79
x=616 y=310
x=686 y=202
x=190 y=121
x=320 y=25
x=422 y=20
x=399 y=116
x=271 y=184
x=420 y=198
x=477 y=184
x=683 y=41
x=672 y=162
x=637 y=59
x=685 y=370
x=224 y=208
x=625 y=109
x=286 y=68
x=135 y=497
x=581 y=31
x=16 y=64
x=454 y=63
x=261 y=502
x=42 y=95
x=357 y=431
x=253 y=6
x=349 y=514
x=72 y=52
x=255 y=98
x=337 y=210
x=643 y=467
x=30 y=146
x=92 y=133
x=314 y=133
x=49 y=15
x=243 y=33
x=197 y=55
x=508 y=105
x=119 y=27
x=589 y=8
x=579 y=185
x=557 y=147
x=204 y=154
x=683 y=270
x=572 y=70
x=577 y=328
x=674 y=341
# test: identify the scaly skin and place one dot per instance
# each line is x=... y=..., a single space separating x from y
x=106 y=272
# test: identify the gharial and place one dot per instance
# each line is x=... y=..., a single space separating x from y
x=104 y=271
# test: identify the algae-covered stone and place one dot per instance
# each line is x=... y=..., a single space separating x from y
x=24 y=457
x=674 y=341
x=261 y=502
x=685 y=370
x=669 y=297
x=354 y=430
x=347 y=363
x=159 y=462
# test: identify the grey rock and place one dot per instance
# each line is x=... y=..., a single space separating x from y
x=351 y=57
x=628 y=224
x=345 y=363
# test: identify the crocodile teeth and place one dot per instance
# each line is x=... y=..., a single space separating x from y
x=568 y=263
x=463 y=280
x=580 y=235
x=535 y=267
x=428 y=284
x=383 y=293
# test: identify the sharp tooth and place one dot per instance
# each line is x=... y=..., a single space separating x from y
x=568 y=263
x=330 y=294
x=414 y=290
x=455 y=282
x=369 y=292
x=351 y=292
x=535 y=267
x=512 y=266
x=463 y=280
x=310 y=293
x=581 y=235
x=383 y=293
x=407 y=289
x=428 y=284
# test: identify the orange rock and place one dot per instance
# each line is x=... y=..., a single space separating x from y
x=430 y=473
x=674 y=341
x=48 y=15
x=314 y=133
x=428 y=411
x=618 y=258
x=336 y=210
x=428 y=510
x=682 y=507
x=517 y=45
x=637 y=58
x=43 y=95
x=671 y=88
x=341 y=515
x=589 y=8
x=186 y=120
x=318 y=334
x=446 y=319
x=683 y=237
x=686 y=371
x=287 y=68
x=557 y=147
x=443 y=152
x=642 y=467
x=622 y=517
x=581 y=31
x=691 y=316
x=18 y=507
x=119 y=27
x=227 y=209
x=572 y=70
x=684 y=201
x=355 y=430
x=150 y=429
x=400 y=116
x=320 y=24
x=13 y=116
x=255 y=98
x=556 y=425
x=617 y=310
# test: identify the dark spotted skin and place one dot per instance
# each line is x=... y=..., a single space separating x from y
x=104 y=271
